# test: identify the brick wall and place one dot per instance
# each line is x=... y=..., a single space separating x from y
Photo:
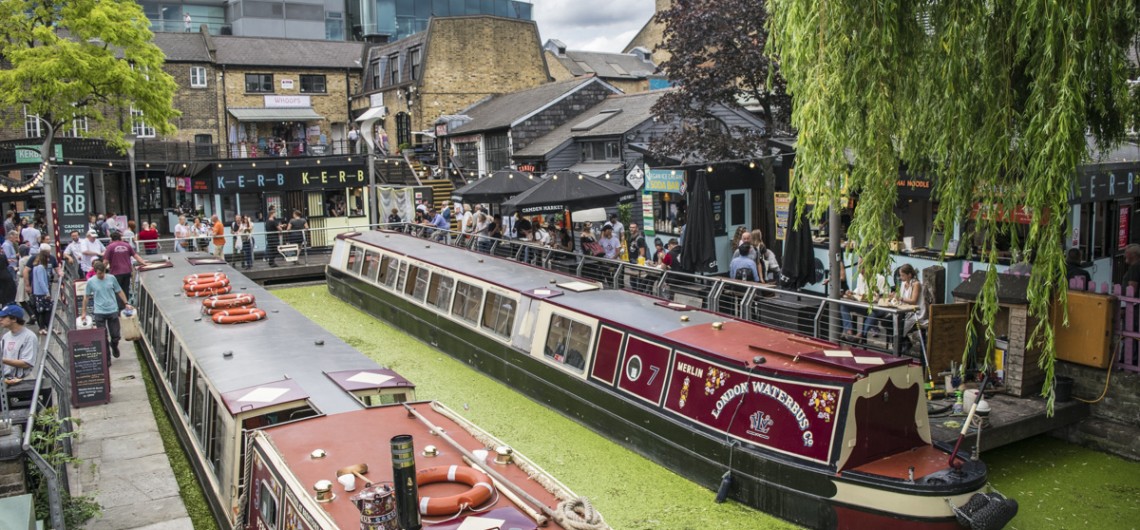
x=12 y=478
x=652 y=35
x=332 y=104
x=1115 y=423
x=199 y=106
x=554 y=116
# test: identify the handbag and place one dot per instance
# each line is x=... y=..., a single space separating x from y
x=238 y=244
x=593 y=248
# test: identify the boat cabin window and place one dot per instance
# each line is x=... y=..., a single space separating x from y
x=198 y=407
x=217 y=438
x=466 y=303
x=498 y=314
x=439 y=292
x=355 y=258
x=417 y=283
x=280 y=416
x=267 y=507
x=389 y=271
x=567 y=341
x=371 y=265
x=383 y=398
x=184 y=374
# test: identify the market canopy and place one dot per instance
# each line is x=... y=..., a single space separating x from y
x=276 y=114
x=498 y=186
x=566 y=190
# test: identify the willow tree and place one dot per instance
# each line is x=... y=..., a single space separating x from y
x=994 y=99
x=88 y=60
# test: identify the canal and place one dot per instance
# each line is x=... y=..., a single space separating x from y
x=1058 y=485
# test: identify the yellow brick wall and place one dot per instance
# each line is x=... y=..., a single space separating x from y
x=332 y=104
x=652 y=35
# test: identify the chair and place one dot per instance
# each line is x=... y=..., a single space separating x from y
x=289 y=252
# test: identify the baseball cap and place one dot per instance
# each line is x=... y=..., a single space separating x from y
x=13 y=311
x=92 y=233
x=607 y=226
x=45 y=246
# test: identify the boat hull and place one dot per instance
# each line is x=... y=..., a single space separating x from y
x=806 y=494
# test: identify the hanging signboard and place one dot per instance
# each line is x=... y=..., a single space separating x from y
x=665 y=181
x=74 y=198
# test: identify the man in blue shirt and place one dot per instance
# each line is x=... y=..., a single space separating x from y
x=105 y=291
x=440 y=222
x=742 y=267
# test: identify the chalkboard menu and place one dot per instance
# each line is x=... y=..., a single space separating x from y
x=718 y=213
x=90 y=374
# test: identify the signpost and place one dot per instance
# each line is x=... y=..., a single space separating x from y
x=91 y=377
x=74 y=198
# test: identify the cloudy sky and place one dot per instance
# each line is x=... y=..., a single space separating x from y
x=599 y=25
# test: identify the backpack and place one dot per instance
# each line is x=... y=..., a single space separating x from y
x=745 y=274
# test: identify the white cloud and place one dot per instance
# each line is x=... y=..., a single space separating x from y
x=597 y=25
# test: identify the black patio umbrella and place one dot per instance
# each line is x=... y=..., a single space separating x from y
x=496 y=187
x=698 y=252
x=567 y=190
x=798 y=264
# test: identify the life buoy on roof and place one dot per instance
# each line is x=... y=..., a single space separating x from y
x=204 y=277
x=238 y=315
x=224 y=282
x=209 y=292
x=225 y=301
x=480 y=492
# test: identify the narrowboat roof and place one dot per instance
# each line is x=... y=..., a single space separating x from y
x=362 y=437
x=286 y=345
x=784 y=352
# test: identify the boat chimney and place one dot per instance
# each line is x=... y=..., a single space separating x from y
x=404 y=481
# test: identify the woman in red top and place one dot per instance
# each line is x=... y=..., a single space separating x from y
x=148 y=236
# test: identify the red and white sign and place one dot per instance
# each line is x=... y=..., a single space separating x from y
x=1122 y=230
x=283 y=101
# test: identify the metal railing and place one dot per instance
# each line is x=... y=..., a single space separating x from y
x=881 y=328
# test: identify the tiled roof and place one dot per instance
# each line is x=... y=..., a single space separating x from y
x=633 y=110
x=262 y=51
x=606 y=65
x=501 y=111
x=183 y=47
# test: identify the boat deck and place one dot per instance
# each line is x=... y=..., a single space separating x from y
x=1011 y=420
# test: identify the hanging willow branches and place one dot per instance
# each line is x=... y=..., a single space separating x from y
x=994 y=99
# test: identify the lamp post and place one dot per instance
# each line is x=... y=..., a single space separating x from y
x=367 y=130
x=131 y=139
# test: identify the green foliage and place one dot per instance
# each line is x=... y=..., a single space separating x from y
x=188 y=486
x=48 y=440
x=84 y=58
x=625 y=213
x=992 y=98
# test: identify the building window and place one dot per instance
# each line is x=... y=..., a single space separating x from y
x=377 y=71
x=601 y=151
x=334 y=25
x=259 y=83
x=32 y=125
x=77 y=128
x=393 y=69
x=197 y=77
x=414 y=60
x=496 y=151
x=139 y=127
x=313 y=84
x=467 y=155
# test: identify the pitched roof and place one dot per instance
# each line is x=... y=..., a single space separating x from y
x=263 y=51
x=606 y=65
x=183 y=47
x=625 y=112
x=503 y=111
x=399 y=47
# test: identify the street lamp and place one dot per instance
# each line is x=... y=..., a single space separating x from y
x=367 y=131
x=131 y=139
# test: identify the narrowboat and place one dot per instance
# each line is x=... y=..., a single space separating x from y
x=810 y=431
x=242 y=396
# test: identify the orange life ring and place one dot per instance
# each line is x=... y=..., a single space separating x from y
x=224 y=282
x=480 y=492
x=209 y=292
x=238 y=315
x=204 y=277
x=225 y=301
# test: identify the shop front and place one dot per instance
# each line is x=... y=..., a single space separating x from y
x=332 y=196
x=1104 y=217
x=286 y=126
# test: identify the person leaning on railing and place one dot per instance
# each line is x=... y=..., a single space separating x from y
x=19 y=345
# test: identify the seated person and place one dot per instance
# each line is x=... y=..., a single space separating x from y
x=1073 y=265
x=861 y=292
x=742 y=266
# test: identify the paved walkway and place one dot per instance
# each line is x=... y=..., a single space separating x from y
x=124 y=465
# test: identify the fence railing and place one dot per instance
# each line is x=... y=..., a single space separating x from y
x=1128 y=323
x=882 y=328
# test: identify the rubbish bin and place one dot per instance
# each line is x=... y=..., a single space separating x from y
x=1063 y=389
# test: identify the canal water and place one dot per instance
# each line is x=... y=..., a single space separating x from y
x=1058 y=485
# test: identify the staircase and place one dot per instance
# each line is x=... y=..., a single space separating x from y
x=440 y=193
x=394 y=170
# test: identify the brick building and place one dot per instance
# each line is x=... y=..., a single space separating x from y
x=652 y=35
x=457 y=62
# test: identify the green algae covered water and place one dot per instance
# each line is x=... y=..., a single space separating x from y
x=1058 y=485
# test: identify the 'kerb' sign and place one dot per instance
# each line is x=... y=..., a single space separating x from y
x=74 y=184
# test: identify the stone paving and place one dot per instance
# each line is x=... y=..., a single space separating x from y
x=124 y=465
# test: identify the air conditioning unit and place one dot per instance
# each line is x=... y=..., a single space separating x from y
x=226 y=30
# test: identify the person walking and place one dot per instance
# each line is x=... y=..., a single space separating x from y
x=297 y=226
x=19 y=345
x=106 y=294
x=41 y=289
x=353 y=139
x=244 y=242
x=90 y=248
x=117 y=258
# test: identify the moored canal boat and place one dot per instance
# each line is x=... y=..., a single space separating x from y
x=800 y=428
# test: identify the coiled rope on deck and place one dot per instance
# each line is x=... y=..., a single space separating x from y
x=579 y=514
